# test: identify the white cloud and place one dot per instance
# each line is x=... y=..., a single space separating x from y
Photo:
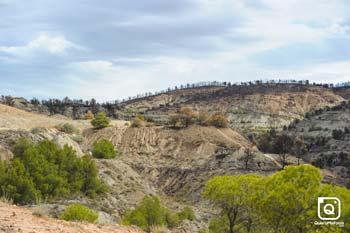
x=94 y=66
x=216 y=40
x=44 y=42
x=331 y=71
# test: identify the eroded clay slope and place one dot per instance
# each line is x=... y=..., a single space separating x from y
x=179 y=162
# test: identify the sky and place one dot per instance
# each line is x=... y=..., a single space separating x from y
x=112 y=49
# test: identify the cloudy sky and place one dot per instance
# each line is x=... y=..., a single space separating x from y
x=111 y=49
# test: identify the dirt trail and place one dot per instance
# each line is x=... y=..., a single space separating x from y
x=16 y=219
x=273 y=159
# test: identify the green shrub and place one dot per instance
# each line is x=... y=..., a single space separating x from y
x=103 y=149
x=100 y=121
x=79 y=213
x=314 y=127
x=78 y=138
x=141 y=117
x=171 y=219
x=37 y=130
x=138 y=123
x=44 y=171
x=187 y=213
x=150 y=213
x=67 y=128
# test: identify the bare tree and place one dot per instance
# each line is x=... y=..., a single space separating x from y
x=283 y=145
x=300 y=148
x=249 y=155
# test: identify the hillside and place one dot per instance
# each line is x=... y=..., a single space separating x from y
x=255 y=107
x=249 y=106
x=171 y=162
x=14 y=219
x=175 y=163
x=13 y=118
x=327 y=136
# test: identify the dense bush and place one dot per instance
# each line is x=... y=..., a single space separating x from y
x=103 y=149
x=100 y=121
x=44 y=171
x=150 y=213
x=187 y=116
x=138 y=123
x=218 y=120
x=338 y=134
x=283 y=202
x=187 y=213
x=79 y=213
x=89 y=115
x=141 y=121
x=67 y=128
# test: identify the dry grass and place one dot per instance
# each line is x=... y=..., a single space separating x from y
x=159 y=229
x=23 y=220
x=13 y=118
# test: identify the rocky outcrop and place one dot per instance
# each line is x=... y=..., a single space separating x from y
x=9 y=137
x=5 y=154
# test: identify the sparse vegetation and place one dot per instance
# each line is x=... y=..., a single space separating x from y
x=79 y=213
x=78 y=138
x=249 y=155
x=218 y=120
x=67 y=128
x=37 y=130
x=315 y=127
x=140 y=121
x=187 y=117
x=100 y=121
x=89 y=115
x=202 y=117
x=104 y=149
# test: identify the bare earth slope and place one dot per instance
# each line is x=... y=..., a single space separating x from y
x=13 y=118
x=15 y=219
x=179 y=162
